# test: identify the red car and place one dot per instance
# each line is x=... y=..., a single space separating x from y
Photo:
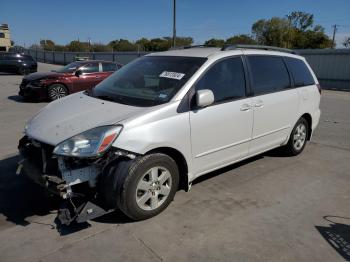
x=74 y=77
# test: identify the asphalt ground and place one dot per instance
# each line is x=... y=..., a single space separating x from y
x=269 y=208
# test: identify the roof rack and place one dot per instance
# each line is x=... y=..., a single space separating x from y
x=261 y=47
x=190 y=46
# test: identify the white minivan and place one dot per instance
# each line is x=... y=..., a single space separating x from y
x=165 y=119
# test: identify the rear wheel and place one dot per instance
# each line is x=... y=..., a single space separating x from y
x=144 y=187
x=56 y=91
x=298 y=138
x=23 y=71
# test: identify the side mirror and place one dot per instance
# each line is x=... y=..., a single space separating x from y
x=204 y=97
x=78 y=73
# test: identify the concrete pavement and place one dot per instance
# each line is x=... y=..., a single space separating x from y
x=269 y=208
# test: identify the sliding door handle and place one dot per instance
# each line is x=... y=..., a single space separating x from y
x=245 y=107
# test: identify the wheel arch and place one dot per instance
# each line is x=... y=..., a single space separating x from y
x=180 y=161
x=308 y=118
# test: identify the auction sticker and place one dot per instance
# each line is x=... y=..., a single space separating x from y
x=172 y=75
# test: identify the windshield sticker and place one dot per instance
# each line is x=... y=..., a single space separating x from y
x=172 y=75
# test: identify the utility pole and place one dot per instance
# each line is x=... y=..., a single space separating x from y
x=174 y=24
x=334 y=31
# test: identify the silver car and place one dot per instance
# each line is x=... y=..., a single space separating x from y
x=162 y=121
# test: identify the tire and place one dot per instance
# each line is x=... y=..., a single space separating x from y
x=56 y=91
x=298 y=138
x=23 y=71
x=143 y=187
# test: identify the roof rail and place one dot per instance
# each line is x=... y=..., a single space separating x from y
x=261 y=47
x=190 y=46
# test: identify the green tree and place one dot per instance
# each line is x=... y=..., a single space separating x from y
x=122 y=45
x=77 y=46
x=47 y=44
x=215 y=42
x=97 y=47
x=273 y=32
x=300 y=20
x=294 y=31
x=240 y=39
x=346 y=42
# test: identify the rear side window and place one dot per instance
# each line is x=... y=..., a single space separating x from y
x=269 y=74
x=300 y=72
x=109 y=67
x=226 y=80
x=90 y=68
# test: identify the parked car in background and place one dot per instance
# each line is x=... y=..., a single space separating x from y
x=17 y=63
x=166 y=119
x=74 y=77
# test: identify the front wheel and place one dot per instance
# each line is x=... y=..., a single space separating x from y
x=298 y=138
x=144 y=187
x=56 y=91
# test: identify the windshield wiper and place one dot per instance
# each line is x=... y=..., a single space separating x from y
x=107 y=98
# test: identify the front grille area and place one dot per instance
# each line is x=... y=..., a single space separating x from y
x=24 y=83
x=40 y=155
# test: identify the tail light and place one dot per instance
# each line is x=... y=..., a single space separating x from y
x=319 y=88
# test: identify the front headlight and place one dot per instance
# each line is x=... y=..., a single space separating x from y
x=89 y=143
x=37 y=83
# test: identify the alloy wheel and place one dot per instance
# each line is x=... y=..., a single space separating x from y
x=153 y=188
x=299 y=136
x=56 y=92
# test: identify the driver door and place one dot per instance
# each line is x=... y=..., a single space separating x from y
x=90 y=74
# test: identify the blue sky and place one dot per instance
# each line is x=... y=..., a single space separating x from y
x=103 y=21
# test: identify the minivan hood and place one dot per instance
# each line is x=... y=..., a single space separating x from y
x=74 y=114
x=41 y=75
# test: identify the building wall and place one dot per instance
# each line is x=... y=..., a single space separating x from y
x=5 y=41
x=331 y=66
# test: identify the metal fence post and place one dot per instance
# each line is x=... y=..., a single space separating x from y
x=44 y=56
x=53 y=57
x=64 y=58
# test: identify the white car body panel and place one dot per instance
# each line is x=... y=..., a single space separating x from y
x=208 y=138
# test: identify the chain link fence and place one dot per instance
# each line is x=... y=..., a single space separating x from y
x=331 y=66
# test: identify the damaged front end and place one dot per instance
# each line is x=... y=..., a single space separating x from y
x=75 y=180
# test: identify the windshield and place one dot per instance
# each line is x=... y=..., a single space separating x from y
x=149 y=80
x=70 y=68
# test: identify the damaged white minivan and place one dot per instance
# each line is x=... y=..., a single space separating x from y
x=165 y=119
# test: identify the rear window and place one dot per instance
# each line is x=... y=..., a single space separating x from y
x=269 y=74
x=109 y=67
x=300 y=72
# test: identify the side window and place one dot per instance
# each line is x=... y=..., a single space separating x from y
x=90 y=68
x=226 y=80
x=109 y=67
x=269 y=74
x=300 y=72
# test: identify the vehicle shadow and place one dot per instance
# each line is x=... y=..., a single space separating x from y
x=337 y=235
x=19 y=197
x=20 y=99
